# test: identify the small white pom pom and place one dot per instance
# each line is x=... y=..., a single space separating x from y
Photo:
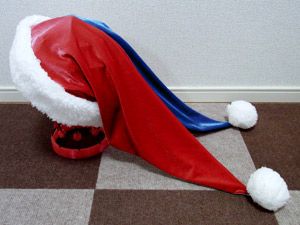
x=242 y=114
x=268 y=189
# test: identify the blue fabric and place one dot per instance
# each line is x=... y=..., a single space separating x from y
x=191 y=119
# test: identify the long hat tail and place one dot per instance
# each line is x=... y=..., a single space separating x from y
x=190 y=118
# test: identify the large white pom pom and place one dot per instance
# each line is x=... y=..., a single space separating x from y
x=242 y=114
x=268 y=189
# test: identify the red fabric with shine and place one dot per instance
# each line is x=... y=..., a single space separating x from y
x=88 y=63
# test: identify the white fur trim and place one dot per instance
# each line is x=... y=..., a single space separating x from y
x=268 y=189
x=34 y=83
x=242 y=114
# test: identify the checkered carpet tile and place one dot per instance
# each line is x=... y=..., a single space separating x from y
x=37 y=187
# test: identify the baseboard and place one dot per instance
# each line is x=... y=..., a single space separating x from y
x=201 y=94
x=11 y=94
x=228 y=94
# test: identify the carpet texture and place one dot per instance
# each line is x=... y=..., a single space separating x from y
x=39 y=187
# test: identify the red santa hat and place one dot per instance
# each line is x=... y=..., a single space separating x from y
x=79 y=76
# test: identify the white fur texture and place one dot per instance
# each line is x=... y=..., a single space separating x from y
x=242 y=114
x=268 y=189
x=34 y=83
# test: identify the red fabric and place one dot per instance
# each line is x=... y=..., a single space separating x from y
x=134 y=118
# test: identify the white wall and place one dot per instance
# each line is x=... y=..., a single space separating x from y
x=201 y=46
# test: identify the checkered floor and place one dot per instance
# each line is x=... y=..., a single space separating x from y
x=39 y=187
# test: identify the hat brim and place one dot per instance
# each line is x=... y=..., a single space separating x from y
x=45 y=94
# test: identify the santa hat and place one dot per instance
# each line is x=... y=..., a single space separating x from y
x=73 y=72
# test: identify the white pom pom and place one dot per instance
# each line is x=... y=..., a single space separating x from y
x=268 y=189
x=242 y=114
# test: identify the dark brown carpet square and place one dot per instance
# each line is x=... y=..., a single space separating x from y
x=26 y=156
x=274 y=142
x=144 y=207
